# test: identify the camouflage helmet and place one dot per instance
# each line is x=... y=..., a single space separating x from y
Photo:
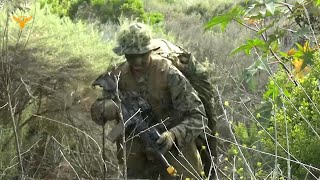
x=135 y=39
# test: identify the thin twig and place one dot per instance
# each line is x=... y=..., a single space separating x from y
x=310 y=25
x=44 y=153
x=124 y=148
x=4 y=105
x=27 y=88
x=234 y=168
x=269 y=154
x=288 y=143
x=103 y=152
x=16 y=136
x=213 y=165
x=182 y=155
x=66 y=158
x=260 y=125
x=233 y=136
x=7 y=168
x=75 y=128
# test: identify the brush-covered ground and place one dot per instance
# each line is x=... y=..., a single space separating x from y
x=267 y=90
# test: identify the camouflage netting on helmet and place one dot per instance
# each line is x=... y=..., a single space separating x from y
x=134 y=39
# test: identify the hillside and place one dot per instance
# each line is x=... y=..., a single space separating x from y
x=262 y=57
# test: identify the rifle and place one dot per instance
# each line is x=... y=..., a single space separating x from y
x=135 y=112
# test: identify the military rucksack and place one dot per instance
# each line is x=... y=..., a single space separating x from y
x=199 y=78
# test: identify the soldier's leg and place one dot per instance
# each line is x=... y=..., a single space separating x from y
x=138 y=166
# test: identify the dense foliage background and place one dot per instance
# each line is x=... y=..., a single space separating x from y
x=263 y=57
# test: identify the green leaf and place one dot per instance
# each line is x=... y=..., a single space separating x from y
x=262 y=30
x=249 y=74
x=263 y=13
x=256 y=42
x=307 y=58
x=286 y=92
x=298 y=54
x=225 y=19
x=271 y=39
x=272 y=91
x=266 y=28
x=283 y=54
x=249 y=45
x=270 y=7
x=299 y=47
x=246 y=48
x=265 y=112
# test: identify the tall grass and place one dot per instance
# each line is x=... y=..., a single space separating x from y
x=49 y=66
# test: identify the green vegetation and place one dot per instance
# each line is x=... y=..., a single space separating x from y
x=287 y=119
x=49 y=65
x=296 y=123
x=263 y=55
x=103 y=10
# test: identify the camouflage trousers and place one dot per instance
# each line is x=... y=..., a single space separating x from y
x=142 y=165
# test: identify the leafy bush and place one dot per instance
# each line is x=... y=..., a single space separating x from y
x=103 y=10
x=154 y=18
x=249 y=141
x=207 y=9
x=295 y=123
x=288 y=118
x=63 y=7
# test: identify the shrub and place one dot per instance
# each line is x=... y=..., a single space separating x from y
x=295 y=121
x=63 y=7
x=48 y=69
x=103 y=10
x=248 y=142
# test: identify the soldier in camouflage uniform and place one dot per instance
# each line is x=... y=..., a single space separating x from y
x=174 y=103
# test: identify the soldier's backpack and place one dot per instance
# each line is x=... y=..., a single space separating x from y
x=198 y=77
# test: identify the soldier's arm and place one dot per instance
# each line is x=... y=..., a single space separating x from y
x=186 y=102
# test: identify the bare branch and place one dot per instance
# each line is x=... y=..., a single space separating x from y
x=66 y=159
x=4 y=105
x=233 y=136
x=15 y=130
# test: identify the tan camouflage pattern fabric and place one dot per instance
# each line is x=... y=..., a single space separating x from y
x=198 y=76
x=175 y=102
x=185 y=101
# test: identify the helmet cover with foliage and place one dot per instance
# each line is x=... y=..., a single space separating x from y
x=134 y=39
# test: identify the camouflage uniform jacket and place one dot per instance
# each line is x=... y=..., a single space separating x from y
x=175 y=106
x=172 y=98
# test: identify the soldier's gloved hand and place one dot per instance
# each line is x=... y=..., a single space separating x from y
x=166 y=141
